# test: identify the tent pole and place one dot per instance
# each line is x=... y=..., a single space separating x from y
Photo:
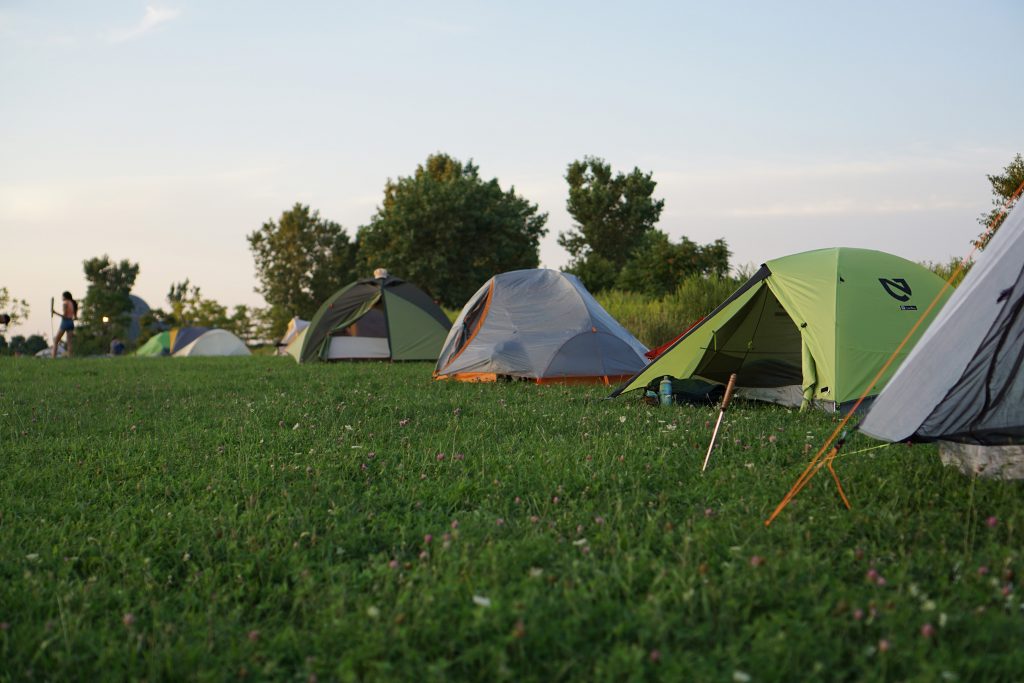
x=721 y=413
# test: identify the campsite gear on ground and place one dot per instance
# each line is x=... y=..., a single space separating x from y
x=665 y=391
x=721 y=413
x=808 y=328
x=988 y=462
x=376 y=318
x=541 y=325
x=695 y=391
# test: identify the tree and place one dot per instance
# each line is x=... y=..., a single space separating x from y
x=658 y=267
x=612 y=213
x=105 y=312
x=448 y=230
x=300 y=261
x=189 y=308
x=20 y=346
x=16 y=308
x=1004 y=189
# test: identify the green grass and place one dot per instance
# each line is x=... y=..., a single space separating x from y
x=218 y=518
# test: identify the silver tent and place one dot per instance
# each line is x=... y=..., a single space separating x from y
x=538 y=324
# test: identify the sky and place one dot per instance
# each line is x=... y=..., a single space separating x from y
x=166 y=132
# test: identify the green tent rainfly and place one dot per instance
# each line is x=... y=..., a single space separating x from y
x=377 y=318
x=819 y=323
x=157 y=345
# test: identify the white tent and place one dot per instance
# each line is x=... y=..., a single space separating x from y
x=215 y=343
x=963 y=381
x=295 y=326
x=48 y=352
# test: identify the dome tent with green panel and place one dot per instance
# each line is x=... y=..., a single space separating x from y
x=157 y=345
x=381 y=318
x=810 y=327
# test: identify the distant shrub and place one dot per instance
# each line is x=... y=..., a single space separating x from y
x=945 y=269
x=655 y=321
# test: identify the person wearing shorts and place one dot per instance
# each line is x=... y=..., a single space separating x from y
x=67 y=323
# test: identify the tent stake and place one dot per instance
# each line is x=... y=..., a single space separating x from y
x=721 y=413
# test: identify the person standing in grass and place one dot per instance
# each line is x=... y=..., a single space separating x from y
x=67 y=322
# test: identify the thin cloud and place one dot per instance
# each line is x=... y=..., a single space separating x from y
x=153 y=17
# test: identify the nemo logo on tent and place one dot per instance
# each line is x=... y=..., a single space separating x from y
x=897 y=288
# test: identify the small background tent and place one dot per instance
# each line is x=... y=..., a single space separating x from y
x=183 y=336
x=169 y=342
x=376 y=318
x=811 y=326
x=157 y=345
x=139 y=309
x=214 y=343
x=538 y=324
x=295 y=327
x=48 y=352
x=963 y=382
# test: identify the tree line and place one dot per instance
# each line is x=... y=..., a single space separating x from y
x=448 y=229
x=445 y=228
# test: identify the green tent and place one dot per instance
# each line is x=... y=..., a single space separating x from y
x=378 y=318
x=820 y=324
x=157 y=345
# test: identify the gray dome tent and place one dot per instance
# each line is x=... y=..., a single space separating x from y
x=542 y=325
x=139 y=309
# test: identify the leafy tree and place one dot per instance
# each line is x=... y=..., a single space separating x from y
x=448 y=230
x=34 y=344
x=612 y=212
x=188 y=307
x=1004 y=188
x=658 y=266
x=249 y=323
x=300 y=261
x=16 y=308
x=106 y=297
x=945 y=269
x=19 y=345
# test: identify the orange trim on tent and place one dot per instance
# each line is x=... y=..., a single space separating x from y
x=479 y=324
x=470 y=377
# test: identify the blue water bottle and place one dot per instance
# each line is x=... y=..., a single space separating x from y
x=665 y=391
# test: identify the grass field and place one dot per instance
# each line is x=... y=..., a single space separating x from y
x=216 y=519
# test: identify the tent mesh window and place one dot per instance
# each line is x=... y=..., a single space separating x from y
x=761 y=344
x=472 y=321
x=373 y=324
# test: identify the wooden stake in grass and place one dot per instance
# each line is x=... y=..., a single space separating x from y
x=725 y=404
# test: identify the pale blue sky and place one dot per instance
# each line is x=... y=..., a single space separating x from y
x=165 y=132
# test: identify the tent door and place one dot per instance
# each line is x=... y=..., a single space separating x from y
x=760 y=343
